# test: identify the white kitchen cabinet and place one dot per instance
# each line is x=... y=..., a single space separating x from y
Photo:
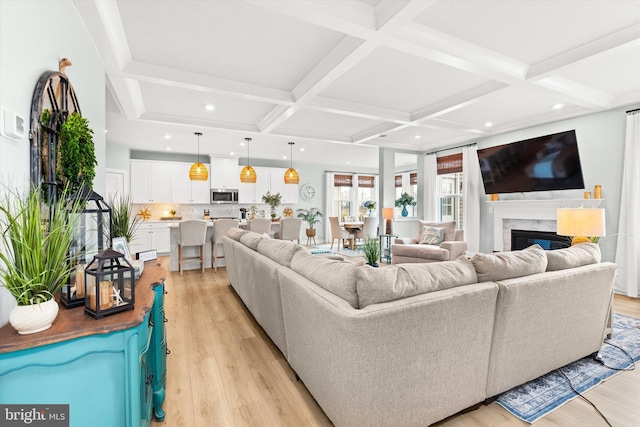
x=150 y=181
x=150 y=235
x=185 y=191
x=289 y=191
x=224 y=173
x=252 y=193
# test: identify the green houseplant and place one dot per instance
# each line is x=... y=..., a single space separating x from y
x=311 y=216
x=124 y=222
x=77 y=155
x=371 y=250
x=273 y=200
x=36 y=263
x=404 y=200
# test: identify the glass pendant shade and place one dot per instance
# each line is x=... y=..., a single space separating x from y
x=248 y=174
x=198 y=171
x=291 y=175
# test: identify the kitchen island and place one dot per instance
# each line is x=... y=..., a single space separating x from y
x=193 y=251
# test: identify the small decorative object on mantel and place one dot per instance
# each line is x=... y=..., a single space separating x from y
x=109 y=284
x=494 y=197
x=597 y=192
x=587 y=194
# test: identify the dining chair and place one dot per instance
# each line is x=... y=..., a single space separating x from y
x=289 y=229
x=369 y=229
x=192 y=233
x=259 y=225
x=338 y=232
x=220 y=228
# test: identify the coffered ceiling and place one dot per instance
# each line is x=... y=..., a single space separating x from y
x=341 y=78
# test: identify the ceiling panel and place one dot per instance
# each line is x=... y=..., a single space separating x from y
x=188 y=103
x=399 y=81
x=327 y=123
x=229 y=39
x=530 y=31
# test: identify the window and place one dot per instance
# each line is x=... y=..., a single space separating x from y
x=450 y=179
x=366 y=192
x=407 y=183
x=342 y=195
x=349 y=194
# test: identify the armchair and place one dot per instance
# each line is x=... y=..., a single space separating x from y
x=406 y=250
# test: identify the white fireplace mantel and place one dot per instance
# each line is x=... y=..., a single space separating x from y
x=530 y=209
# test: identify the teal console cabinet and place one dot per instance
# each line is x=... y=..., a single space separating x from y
x=111 y=372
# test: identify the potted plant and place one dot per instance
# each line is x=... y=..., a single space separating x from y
x=37 y=263
x=404 y=200
x=77 y=154
x=124 y=222
x=273 y=200
x=311 y=216
x=371 y=250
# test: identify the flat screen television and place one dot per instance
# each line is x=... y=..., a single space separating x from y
x=549 y=162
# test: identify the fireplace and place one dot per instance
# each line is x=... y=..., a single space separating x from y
x=521 y=239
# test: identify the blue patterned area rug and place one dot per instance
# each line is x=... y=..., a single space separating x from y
x=537 y=398
x=343 y=251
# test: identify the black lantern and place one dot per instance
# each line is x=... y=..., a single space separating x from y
x=92 y=235
x=109 y=284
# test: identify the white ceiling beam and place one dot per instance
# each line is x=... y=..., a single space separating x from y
x=205 y=83
x=318 y=136
x=192 y=121
x=626 y=99
x=375 y=132
x=625 y=38
x=391 y=15
x=127 y=94
x=353 y=109
x=576 y=93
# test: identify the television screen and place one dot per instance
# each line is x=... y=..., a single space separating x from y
x=549 y=162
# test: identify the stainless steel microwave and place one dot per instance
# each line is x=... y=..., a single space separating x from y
x=224 y=195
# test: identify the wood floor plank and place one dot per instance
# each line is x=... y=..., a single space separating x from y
x=224 y=370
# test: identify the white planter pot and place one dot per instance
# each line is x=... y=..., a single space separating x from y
x=29 y=319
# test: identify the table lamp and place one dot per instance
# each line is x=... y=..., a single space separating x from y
x=387 y=213
x=582 y=224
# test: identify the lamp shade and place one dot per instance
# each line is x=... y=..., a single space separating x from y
x=198 y=172
x=387 y=213
x=291 y=176
x=248 y=175
x=588 y=222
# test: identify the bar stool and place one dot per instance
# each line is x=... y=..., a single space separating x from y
x=220 y=228
x=192 y=233
x=289 y=229
x=259 y=225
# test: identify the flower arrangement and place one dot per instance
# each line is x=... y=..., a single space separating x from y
x=273 y=200
x=405 y=199
x=370 y=204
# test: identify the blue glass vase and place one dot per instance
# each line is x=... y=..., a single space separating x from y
x=405 y=212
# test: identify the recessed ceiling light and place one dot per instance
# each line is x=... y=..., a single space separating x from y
x=418 y=136
x=231 y=153
x=105 y=131
x=302 y=149
x=284 y=157
x=168 y=148
x=488 y=124
x=557 y=106
x=167 y=136
x=348 y=163
x=242 y=144
x=209 y=107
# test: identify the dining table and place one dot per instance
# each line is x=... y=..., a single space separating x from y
x=353 y=228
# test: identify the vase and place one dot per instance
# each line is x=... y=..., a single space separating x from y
x=29 y=319
x=405 y=212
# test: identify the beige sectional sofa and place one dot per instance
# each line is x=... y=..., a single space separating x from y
x=409 y=345
x=405 y=250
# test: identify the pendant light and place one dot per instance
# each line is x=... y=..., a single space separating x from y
x=248 y=174
x=198 y=171
x=291 y=175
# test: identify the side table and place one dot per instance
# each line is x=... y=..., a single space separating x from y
x=385 y=247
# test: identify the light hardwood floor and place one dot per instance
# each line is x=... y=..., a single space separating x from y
x=224 y=371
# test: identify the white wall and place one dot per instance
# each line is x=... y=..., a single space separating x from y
x=601 y=146
x=34 y=36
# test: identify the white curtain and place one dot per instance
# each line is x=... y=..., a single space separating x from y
x=471 y=198
x=328 y=185
x=628 y=249
x=430 y=195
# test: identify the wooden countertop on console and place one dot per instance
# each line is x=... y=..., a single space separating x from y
x=74 y=323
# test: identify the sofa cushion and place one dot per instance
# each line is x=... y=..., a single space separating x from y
x=335 y=276
x=430 y=252
x=449 y=229
x=376 y=285
x=509 y=265
x=574 y=256
x=235 y=233
x=432 y=235
x=281 y=251
x=251 y=239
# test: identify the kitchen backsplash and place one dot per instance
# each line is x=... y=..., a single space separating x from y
x=197 y=211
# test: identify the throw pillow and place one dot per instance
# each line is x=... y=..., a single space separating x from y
x=432 y=235
x=509 y=265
